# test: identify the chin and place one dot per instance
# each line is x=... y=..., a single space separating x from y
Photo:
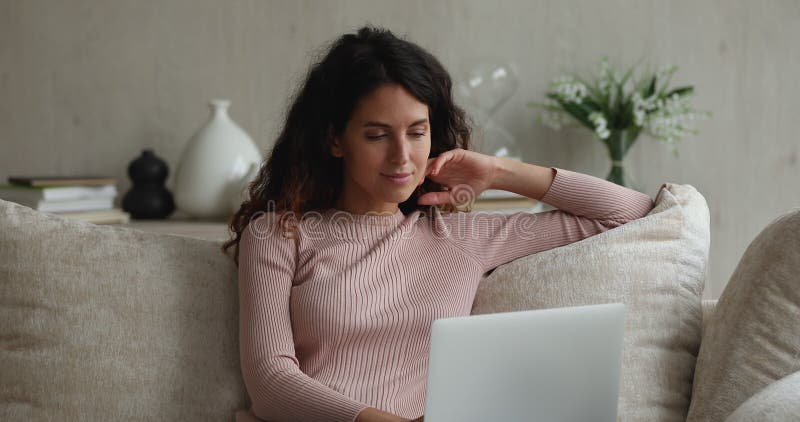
x=399 y=198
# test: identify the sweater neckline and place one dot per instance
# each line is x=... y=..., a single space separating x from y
x=370 y=218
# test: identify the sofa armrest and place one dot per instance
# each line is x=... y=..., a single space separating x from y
x=752 y=339
x=779 y=401
x=709 y=305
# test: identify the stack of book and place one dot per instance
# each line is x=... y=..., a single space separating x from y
x=87 y=198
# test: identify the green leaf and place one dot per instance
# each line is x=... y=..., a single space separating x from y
x=594 y=92
x=664 y=85
x=626 y=76
x=578 y=112
x=552 y=96
x=594 y=106
x=624 y=118
x=651 y=88
x=684 y=90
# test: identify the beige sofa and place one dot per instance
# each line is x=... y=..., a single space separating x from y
x=111 y=323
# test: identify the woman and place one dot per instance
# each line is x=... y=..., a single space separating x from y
x=351 y=243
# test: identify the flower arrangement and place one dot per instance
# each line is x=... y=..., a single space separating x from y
x=617 y=109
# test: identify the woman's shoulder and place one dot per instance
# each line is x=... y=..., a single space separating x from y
x=270 y=225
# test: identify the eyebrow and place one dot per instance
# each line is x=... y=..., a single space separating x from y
x=386 y=125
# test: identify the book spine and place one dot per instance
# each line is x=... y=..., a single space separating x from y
x=78 y=192
x=76 y=205
x=43 y=182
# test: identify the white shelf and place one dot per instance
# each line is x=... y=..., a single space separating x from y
x=181 y=224
x=208 y=230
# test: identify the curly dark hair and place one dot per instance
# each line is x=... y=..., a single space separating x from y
x=300 y=174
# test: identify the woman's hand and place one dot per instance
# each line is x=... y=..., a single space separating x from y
x=465 y=173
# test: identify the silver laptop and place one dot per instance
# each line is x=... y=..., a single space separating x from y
x=551 y=365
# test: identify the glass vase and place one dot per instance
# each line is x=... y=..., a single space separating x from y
x=483 y=85
x=618 y=143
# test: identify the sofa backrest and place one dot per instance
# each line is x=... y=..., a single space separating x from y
x=109 y=323
x=103 y=322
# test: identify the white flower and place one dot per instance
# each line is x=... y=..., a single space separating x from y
x=641 y=107
x=605 y=71
x=667 y=119
x=554 y=116
x=667 y=127
x=599 y=122
x=628 y=87
x=569 y=90
x=638 y=117
x=675 y=104
x=552 y=119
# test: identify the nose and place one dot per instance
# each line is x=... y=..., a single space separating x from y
x=400 y=150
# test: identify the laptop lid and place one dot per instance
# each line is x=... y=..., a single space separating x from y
x=557 y=364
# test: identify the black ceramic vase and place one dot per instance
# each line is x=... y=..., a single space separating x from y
x=148 y=198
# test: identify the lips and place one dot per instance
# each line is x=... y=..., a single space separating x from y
x=398 y=178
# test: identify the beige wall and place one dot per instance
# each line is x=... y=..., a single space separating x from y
x=85 y=85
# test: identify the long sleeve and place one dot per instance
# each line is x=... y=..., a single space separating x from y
x=587 y=205
x=279 y=390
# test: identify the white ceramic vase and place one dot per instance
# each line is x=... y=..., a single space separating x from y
x=214 y=166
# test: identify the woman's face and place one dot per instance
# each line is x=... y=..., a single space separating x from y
x=388 y=134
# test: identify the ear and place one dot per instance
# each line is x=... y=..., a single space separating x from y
x=336 y=147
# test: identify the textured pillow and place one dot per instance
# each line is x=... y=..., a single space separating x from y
x=103 y=323
x=656 y=265
x=779 y=402
x=753 y=338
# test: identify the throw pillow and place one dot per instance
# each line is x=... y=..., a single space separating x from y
x=656 y=265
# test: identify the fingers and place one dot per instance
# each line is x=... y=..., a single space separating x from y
x=434 y=198
x=435 y=164
x=429 y=167
x=444 y=158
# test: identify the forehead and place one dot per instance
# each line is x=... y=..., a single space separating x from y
x=392 y=105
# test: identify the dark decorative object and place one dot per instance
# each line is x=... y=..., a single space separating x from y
x=148 y=198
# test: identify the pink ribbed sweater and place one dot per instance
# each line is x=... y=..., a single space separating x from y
x=337 y=319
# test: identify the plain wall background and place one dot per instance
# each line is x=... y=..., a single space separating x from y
x=86 y=85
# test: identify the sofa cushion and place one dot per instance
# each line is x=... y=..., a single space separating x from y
x=753 y=338
x=778 y=402
x=656 y=265
x=111 y=323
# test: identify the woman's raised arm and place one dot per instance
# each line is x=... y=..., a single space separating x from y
x=587 y=205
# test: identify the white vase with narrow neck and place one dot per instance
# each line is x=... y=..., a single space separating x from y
x=213 y=165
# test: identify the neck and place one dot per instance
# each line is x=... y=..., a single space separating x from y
x=367 y=210
x=361 y=207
